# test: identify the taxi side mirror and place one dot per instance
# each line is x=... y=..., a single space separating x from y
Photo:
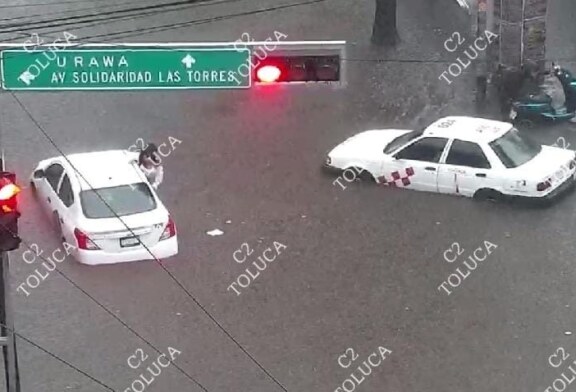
x=39 y=174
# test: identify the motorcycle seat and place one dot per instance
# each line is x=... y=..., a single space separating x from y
x=539 y=98
x=533 y=99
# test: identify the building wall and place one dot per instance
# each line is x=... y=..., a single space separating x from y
x=522 y=28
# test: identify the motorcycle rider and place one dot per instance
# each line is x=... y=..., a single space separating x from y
x=519 y=83
x=530 y=87
x=570 y=94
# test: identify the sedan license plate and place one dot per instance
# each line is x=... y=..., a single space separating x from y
x=513 y=114
x=129 y=241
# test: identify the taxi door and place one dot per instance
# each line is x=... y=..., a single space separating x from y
x=416 y=165
x=465 y=170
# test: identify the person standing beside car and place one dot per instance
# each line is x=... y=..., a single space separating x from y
x=150 y=164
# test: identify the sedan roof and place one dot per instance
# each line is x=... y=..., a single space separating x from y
x=472 y=129
x=103 y=169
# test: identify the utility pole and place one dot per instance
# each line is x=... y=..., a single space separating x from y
x=479 y=28
x=7 y=336
x=484 y=22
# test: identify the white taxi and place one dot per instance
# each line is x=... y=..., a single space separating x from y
x=102 y=204
x=458 y=155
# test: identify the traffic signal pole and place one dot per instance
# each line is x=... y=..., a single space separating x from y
x=7 y=337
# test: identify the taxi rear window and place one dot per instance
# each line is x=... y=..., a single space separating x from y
x=514 y=149
x=117 y=201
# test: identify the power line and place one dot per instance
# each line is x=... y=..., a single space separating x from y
x=70 y=280
x=54 y=3
x=41 y=129
x=104 y=308
x=175 y=26
x=59 y=21
x=223 y=17
x=31 y=117
x=57 y=357
x=118 y=3
x=139 y=31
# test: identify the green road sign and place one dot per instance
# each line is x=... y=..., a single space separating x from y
x=125 y=69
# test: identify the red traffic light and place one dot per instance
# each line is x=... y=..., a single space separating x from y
x=8 y=192
x=9 y=214
x=268 y=74
x=296 y=68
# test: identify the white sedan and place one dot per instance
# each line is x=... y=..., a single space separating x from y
x=465 y=156
x=102 y=204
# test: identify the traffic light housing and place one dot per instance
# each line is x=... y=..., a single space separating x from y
x=297 y=68
x=9 y=214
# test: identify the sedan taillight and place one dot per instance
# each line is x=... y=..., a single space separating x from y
x=84 y=242
x=169 y=231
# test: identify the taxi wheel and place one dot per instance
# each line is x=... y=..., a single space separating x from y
x=366 y=176
x=363 y=176
x=488 y=195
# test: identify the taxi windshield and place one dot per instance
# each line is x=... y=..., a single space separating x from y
x=401 y=140
x=515 y=149
x=117 y=201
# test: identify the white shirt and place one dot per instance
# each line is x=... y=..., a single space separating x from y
x=553 y=88
x=155 y=175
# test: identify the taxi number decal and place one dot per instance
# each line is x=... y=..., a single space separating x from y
x=446 y=124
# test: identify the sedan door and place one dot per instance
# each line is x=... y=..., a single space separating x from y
x=64 y=203
x=47 y=187
x=416 y=165
x=466 y=170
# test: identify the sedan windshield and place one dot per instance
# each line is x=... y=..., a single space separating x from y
x=401 y=140
x=117 y=201
x=514 y=149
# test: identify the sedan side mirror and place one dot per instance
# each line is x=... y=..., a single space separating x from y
x=39 y=174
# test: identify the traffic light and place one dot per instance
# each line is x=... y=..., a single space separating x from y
x=297 y=68
x=9 y=214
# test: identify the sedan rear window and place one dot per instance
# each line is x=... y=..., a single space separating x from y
x=117 y=201
x=514 y=149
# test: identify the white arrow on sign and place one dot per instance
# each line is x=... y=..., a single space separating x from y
x=26 y=77
x=188 y=61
